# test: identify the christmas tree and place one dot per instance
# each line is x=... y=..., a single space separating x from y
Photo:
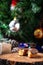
x=29 y=13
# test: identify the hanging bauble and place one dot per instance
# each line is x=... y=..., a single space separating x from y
x=14 y=25
x=38 y=33
x=13 y=4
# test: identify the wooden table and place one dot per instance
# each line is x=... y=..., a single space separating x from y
x=14 y=57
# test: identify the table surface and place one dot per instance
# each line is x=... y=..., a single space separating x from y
x=16 y=58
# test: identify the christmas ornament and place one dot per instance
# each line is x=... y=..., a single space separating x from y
x=38 y=33
x=14 y=25
x=13 y=4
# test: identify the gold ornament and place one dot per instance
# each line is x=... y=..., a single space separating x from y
x=38 y=33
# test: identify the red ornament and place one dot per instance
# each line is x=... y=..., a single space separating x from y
x=13 y=4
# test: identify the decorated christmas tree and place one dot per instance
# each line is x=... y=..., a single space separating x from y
x=29 y=14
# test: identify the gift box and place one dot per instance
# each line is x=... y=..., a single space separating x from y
x=5 y=48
